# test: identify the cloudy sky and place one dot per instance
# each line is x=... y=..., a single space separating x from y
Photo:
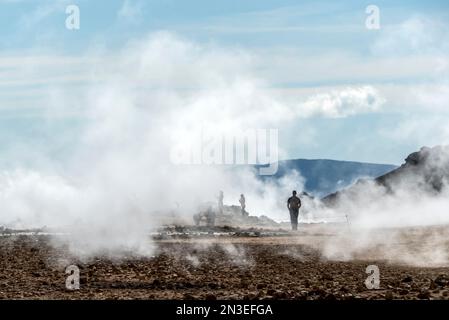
x=312 y=69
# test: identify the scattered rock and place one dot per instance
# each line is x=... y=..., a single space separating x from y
x=156 y=282
x=403 y=292
x=212 y=285
x=250 y=296
x=330 y=296
x=280 y=295
x=261 y=286
x=442 y=280
x=270 y=277
x=407 y=279
x=188 y=296
x=271 y=292
x=389 y=295
x=211 y=296
x=344 y=289
x=424 y=294
x=326 y=276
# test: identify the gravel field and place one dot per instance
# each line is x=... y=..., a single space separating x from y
x=315 y=263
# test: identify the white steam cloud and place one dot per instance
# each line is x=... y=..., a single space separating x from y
x=403 y=220
x=117 y=182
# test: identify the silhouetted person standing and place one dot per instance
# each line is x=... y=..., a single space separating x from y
x=220 y=202
x=293 y=205
x=242 y=204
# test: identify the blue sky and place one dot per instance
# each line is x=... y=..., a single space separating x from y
x=312 y=24
x=306 y=52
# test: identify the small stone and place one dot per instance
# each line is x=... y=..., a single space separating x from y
x=271 y=292
x=212 y=285
x=407 y=279
x=261 y=285
x=327 y=276
x=348 y=296
x=250 y=296
x=403 y=292
x=442 y=280
x=211 y=296
x=180 y=286
x=84 y=279
x=280 y=295
x=188 y=296
x=424 y=294
x=330 y=296
x=156 y=282
x=344 y=289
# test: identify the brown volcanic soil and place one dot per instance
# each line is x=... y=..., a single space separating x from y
x=282 y=267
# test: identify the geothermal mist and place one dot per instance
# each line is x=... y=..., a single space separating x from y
x=118 y=181
x=404 y=223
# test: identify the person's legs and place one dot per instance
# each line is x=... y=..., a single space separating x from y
x=294 y=219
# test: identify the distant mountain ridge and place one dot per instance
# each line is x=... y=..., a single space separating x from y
x=324 y=176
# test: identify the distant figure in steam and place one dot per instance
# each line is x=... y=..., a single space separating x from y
x=293 y=205
x=220 y=202
x=207 y=214
x=243 y=204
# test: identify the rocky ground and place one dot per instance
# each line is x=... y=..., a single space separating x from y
x=229 y=266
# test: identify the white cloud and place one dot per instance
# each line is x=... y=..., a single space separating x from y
x=220 y=81
x=42 y=11
x=416 y=35
x=130 y=11
x=343 y=103
x=424 y=129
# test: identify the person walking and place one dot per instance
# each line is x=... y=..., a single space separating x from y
x=293 y=205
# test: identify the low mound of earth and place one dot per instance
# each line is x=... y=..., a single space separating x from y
x=232 y=216
x=266 y=266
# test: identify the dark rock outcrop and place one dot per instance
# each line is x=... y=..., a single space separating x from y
x=424 y=171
